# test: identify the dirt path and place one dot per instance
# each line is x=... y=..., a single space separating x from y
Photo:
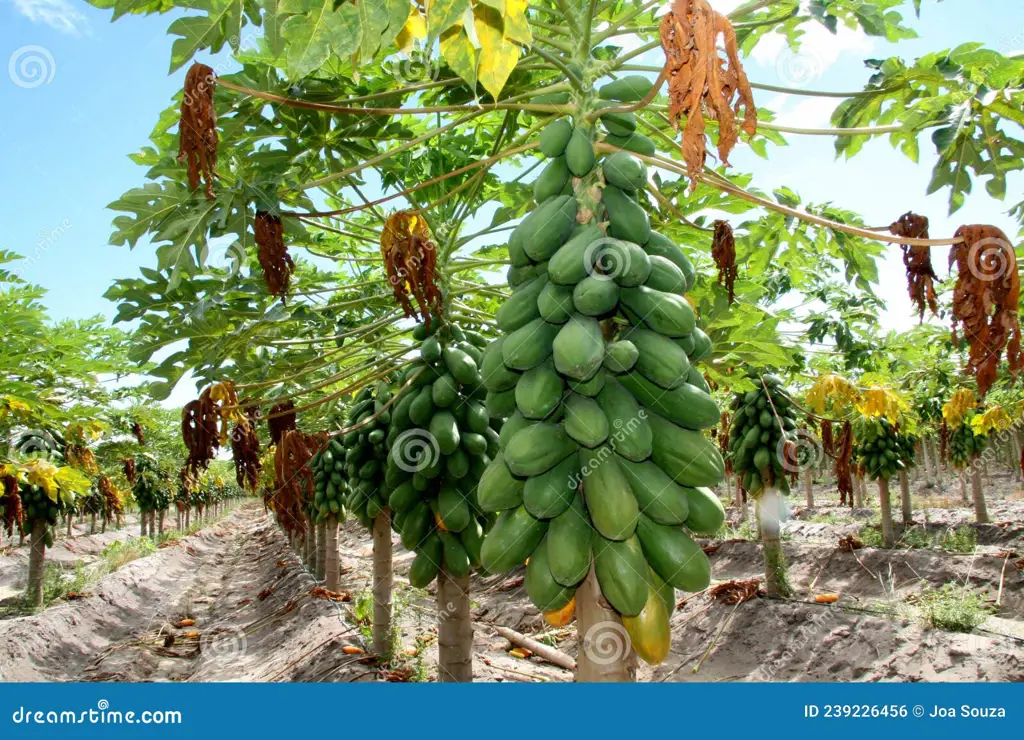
x=255 y=619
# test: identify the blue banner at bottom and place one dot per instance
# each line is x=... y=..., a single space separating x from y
x=436 y=710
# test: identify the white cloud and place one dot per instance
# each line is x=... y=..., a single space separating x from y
x=819 y=50
x=57 y=14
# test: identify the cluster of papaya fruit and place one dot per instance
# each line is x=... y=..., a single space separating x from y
x=882 y=450
x=763 y=421
x=441 y=441
x=964 y=444
x=364 y=458
x=152 y=488
x=601 y=461
x=330 y=483
x=37 y=506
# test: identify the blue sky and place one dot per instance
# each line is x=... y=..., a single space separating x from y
x=90 y=92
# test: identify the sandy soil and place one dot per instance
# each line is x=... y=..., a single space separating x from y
x=256 y=618
x=83 y=547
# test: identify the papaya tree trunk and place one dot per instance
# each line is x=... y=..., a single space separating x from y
x=92 y=523
x=382 y=585
x=103 y=526
x=858 y=492
x=768 y=508
x=809 y=487
x=978 y=493
x=906 y=505
x=332 y=570
x=454 y=629
x=36 y=565
x=741 y=501
x=143 y=521
x=961 y=478
x=71 y=523
x=605 y=653
x=309 y=556
x=888 y=539
x=160 y=523
x=321 y=550
x=929 y=477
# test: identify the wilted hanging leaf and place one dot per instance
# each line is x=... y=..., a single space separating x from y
x=410 y=258
x=294 y=477
x=200 y=420
x=723 y=251
x=140 y=434
x=197 y=129
x=985 y=301
x=245 y=449
x=701 y=82
x=828 y=444
x=277 y=264
x=10 y=504
x=844 y=479
x=962 y=403
x=129 y=470
x=918 y=262
x=280 y=420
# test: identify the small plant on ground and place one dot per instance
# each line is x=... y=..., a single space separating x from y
x=962 y=540
x=952 y=608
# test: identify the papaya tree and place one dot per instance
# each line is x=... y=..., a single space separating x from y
x=764 y=451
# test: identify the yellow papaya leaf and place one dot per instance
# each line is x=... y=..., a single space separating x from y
x=498 y=55
x=834 y=389
x=459 y=52
x=71 y=482
x=994 y=418
x=960 y=405
x=42 y=473
x=879 y=401
x=415 y=28
x=442 y=15
x=517 y=26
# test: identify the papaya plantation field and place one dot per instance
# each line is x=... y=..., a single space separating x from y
x=532 y=341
